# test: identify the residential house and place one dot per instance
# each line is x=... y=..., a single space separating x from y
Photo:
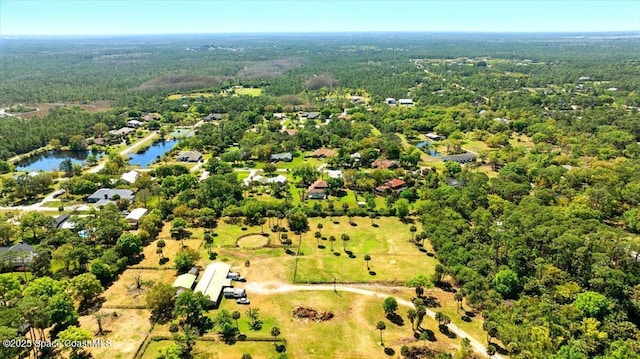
x=318 y=190
x=434 y=136
x=121 y=132
x=213 y=117
x=18 y=255
x=395 y=185
x=134 y=123
x=134 y=216
x=313 y=115
x=405 y=102
x=461 y=158
x=109 y=194
x=284 y=157
x=390 y=101
x=63 y=222
x=189 y=156
x=322 y=153
x=385 y=164
x=129 y=177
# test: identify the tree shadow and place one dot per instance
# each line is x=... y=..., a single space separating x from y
x=470 y=314
x=337 y=254
x=320 y=246
x=465 y=318
x=430 y=254
x=353 y=224
x=336 y=222
x=423 y=250
x=500 y=350
x=396 y=319
x=431 y=336
x=389 y=351
x=445 y=330
x=372 y=273
x=213 y=256
x=290 y=252
x=375 y=225
x=163 y=260
x=280 y=348
x=431 y=302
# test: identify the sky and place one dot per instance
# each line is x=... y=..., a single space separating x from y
x=128 y=17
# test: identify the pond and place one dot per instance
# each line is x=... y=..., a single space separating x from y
x=427 y=147
x=50 y=160
x=148 y=157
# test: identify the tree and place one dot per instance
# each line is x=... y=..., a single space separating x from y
x=320 y=228
x=236 y=315
x=129 y=245
x=402 y=208
x=413 y=230
x=592 y=304
x=186 y=340
x=99 y=316
x=297 y=220
x=86 y=287
x=458 y=298
x=246 y=356
x=160 y=244
x=178 y=230
x=381 y=326
x=275 y=331
x=367 y=258
x=66 y=166
x=173 y=351
x=185 y=259
x=9 y=289
x=8 y=351
x=332 y=239
x=254 y=316
x=419 y=283
x=424 y=336
x=421 y=312
x=390 y=306
x=345 y=238
x=160 y=300
x=412 y=315
x=189 y=308
x=317 y=235
x=507 y=283
x=74 y=334
x=208 y=240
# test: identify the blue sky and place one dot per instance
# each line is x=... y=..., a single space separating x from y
x=114 y=17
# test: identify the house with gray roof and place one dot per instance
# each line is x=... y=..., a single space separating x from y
x=108 y=194
x=189 y=156
x=284 y=157
x=19 y=255
x=461 y=158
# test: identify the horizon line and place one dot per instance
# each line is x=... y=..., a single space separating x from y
x=328 y=32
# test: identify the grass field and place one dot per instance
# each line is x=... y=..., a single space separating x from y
x=350 y=333
x=393 y=257
x=123 y=291
x=248 y=91
x=178 y=96
x=126 y=331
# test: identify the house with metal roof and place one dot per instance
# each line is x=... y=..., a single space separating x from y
x=108 y=194
x=184 y=282
x=461 y=158
x=134 y=216
x=213 y=281
x=284 y=157
x=190 y=156
x=19 y=255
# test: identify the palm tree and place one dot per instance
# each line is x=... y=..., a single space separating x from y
x=439 y=316
x=424 y=336
x=160 y=244
x=318 y=235
x=345 y=238
x=275 y=331
x=458 y=297
x=99 y=318
x=236 y=315
x=412 y=315
x=331 y=207
x=331 y=240
x=345 y=207
x=208 y=240
x=381 y=326
x=413 y=230
x=372 y=216
x=320 y=228
x=367 y=258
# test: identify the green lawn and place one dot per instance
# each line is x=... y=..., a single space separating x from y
x=248 y=91
x=393 y=257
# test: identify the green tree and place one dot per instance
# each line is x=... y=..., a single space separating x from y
x=129 y=245
x=160 y=300
x=419 y=283
x=189 y=307
x=345 y=238
x=179 y=230
x=74 y=334
x=297 y=220
x=185 y=259
x=507 y=283
x=332 y=239
x=402 y=208
x=412 y=315
x=367 y=258
x=86 y=287
x=9 y=289
x=236 y=315
x=592 y=304
x=390 y=306
x=254 y=317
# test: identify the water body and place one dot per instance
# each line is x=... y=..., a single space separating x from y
x=427 y=147
x=51 y=160
x=148 y=157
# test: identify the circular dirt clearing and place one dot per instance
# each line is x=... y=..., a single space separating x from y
x=253 y=241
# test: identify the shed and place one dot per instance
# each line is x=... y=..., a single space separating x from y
x=134 y=216
x=129 y=177
x=185 y=281
x=461 y=158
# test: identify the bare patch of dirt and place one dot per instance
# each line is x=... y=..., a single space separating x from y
x=308 y=313
x=43 y=108
x=269 y=68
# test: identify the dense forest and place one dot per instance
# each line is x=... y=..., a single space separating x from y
x=544 y=243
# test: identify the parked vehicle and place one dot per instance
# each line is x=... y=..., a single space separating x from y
x=243 y=301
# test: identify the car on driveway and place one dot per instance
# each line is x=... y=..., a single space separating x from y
x=243 y=301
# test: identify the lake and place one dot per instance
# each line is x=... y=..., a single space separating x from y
x=50 y=160
x=427 y=147
x=148 y=157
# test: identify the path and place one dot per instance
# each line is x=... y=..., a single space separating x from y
x=278 y=287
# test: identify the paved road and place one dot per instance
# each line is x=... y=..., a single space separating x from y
x=368 y=290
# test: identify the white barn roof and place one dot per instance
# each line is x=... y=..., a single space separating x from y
x=213 y=280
